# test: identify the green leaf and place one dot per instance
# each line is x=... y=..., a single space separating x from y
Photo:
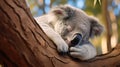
x=100 y=2
x=95 y=1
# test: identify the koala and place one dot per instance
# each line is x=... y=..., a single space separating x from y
x=70 y=29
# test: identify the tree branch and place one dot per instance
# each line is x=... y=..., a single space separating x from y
x=24 y=44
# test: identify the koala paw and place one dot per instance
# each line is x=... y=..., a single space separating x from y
x=77 y=53
x=83 y=52
x=63 y=47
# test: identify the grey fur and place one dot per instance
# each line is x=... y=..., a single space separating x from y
x=65 y=21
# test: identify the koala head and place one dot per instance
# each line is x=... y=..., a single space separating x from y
x=70 y=21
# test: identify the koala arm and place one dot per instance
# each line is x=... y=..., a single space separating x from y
x=83 y=52
x=55 y=37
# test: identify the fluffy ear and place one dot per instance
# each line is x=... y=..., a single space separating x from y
x=96 y=27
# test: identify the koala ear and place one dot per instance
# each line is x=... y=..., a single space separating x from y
x=58 y=11
x=96 y=27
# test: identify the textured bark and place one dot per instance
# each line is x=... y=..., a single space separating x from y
x=24 y=44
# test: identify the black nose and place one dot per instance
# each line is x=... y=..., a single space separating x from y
x=76 y=40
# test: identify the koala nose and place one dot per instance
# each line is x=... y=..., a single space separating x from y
x=76 y=39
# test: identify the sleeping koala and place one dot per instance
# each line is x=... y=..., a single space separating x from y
x=65 y=25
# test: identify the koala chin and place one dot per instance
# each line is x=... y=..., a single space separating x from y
x=70 y=28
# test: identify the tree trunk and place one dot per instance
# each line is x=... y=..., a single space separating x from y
x=107 y=19
x=30 y=47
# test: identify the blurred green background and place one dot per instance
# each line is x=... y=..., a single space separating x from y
x=107 y=11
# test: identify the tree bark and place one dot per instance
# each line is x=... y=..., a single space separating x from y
x=30 y=47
